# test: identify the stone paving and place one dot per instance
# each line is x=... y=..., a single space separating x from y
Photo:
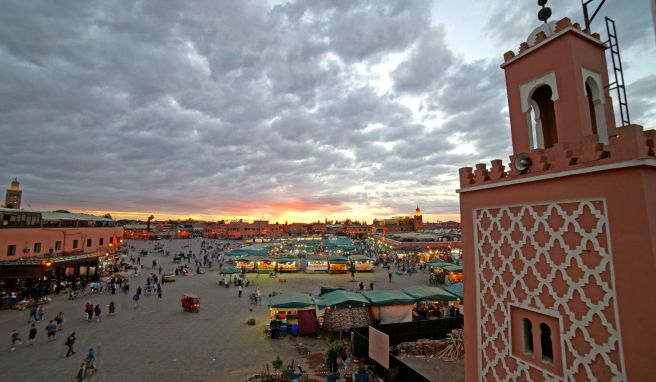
x=158 y=341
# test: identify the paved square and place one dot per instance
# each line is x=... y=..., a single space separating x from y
x=158 y=341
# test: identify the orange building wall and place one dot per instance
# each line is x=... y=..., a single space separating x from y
x=26 y=237
x=629 y=195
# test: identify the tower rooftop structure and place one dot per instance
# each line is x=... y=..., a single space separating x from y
x=556 y=246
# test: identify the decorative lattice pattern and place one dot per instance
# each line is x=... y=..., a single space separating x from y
x=554 y=257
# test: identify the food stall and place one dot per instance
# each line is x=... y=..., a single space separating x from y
x=390 y=306
x=435 y=263
x=266 y=265
x=246 y=263
x=338 y=264
x=293 y=312
x=317 y=264
x=345 y=310
x=287 y=265
x=432 y=302
x=453 y=273
x=362 y=263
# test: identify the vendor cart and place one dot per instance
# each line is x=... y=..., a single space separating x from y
x=190 y=302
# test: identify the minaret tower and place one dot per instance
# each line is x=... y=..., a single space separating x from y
x=13 y=195
x=560 y=248
x=417 y=224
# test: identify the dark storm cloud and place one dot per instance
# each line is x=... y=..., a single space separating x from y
x=216 y=107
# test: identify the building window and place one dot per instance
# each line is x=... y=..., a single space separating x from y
x=11 y=250
x=88 y=242
x=58 y=246
x=111 y=240
x=535 y=338
x=545 y=343
x=101 y=241
x=545 y=116
x=527 y=329
x=75 y=244
x=37 y=247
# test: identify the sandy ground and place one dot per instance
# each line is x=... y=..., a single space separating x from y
x=159 y=342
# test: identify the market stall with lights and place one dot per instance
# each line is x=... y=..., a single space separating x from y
x=294 y=312
x=362 y=263
x=338 y=264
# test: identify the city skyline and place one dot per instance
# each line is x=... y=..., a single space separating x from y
x=283 y=111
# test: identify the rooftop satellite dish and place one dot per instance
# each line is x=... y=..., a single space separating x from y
x=522 y=162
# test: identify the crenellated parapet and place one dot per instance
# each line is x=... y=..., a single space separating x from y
x=629 y=143
x=546 y=32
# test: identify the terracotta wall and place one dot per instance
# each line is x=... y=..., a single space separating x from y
x=628 y=199
x=26 y=238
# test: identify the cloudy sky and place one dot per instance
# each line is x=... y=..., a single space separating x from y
x=284 y=110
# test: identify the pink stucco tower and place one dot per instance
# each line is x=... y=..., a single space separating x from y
x=560 y=248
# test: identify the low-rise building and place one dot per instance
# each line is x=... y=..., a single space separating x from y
x=39 y=248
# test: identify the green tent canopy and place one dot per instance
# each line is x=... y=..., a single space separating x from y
x=451 y=267
x=431 y=293
x=338 y=260
x=344 y=299
x=387 y=297
x=229 y=270
x=292 y=300
x=455 y=289
x=327 y=289
x=285 y=260
x=360 y=258
x=436 y=262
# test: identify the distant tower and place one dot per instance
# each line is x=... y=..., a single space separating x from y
x=417 y=219
x=13 y=195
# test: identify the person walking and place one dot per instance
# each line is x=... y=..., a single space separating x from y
x=51 y=329
x=159 y=291
x=160 y=269
x=389 y=275
x=32 y=315
x=79 y=377
x=32 y=334
x=88 y=309
x=371 y=285
x=112 y=308
x=240 y=289
x=15 y=339
x=361 y=285
x=59 y=320
x=70 y=343
x=136 y=298
x=97 y=311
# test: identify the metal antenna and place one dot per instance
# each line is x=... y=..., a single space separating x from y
x=545 y=12
x=586 y=16
x=616 y=59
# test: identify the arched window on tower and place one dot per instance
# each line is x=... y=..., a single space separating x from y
x=545 y=343
x=593 y=119
x=527 y=329
x=594 y=94
x=545 y=117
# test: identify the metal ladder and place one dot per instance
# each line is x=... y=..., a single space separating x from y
x=616 y=59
